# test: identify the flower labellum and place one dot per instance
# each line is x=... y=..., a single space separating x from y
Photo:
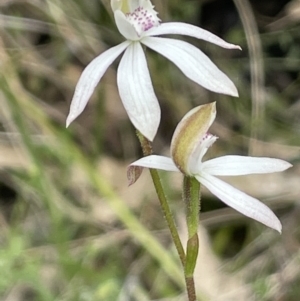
x=137 y=21
x=189 y=144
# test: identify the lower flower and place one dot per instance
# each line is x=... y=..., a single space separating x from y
x=190 y=143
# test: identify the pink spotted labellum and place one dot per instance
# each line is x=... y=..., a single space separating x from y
x=137 y=21
x=189 y=144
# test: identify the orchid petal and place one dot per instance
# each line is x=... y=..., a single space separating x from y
x=157 y=162
x=240 y=201
x=193 y=63
x=189 y=30
x=125 y=28
x=136 y=91
x=89 y=79
x=241 y=165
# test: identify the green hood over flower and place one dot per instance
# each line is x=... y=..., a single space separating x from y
x=189 y=132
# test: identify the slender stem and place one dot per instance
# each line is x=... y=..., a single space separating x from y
x=190 y=286
x=191 y=196
x=147 y=150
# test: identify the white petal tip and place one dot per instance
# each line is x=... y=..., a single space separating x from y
x=147 y=134
x=231 y=90
x=150 y=137
x=232 y=46
x=288 y=165
x=273 y=222
x=149 y=129
x=281 y=165
x=70 y=119
x=235 y=93
x=269 y=219
x=278 y=227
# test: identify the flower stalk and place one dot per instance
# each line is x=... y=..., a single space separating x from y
x=191 y=196
x=147 y=151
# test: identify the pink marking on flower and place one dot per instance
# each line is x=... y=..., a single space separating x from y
x=142 y=19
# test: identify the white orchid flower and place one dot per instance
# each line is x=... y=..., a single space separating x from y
x=190 y=143
x=137 y=21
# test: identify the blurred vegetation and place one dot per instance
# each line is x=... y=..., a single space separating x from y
x=71 y=229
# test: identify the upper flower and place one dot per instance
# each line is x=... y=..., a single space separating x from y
x=190 y=143
x=137 y=21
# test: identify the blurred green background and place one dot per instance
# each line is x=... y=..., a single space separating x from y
x=71 y=228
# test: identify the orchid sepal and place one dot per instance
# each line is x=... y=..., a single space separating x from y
x=189 y=133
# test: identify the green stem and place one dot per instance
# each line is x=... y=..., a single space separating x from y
x=190 y=286
x=191 y=196
x=147 y=150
